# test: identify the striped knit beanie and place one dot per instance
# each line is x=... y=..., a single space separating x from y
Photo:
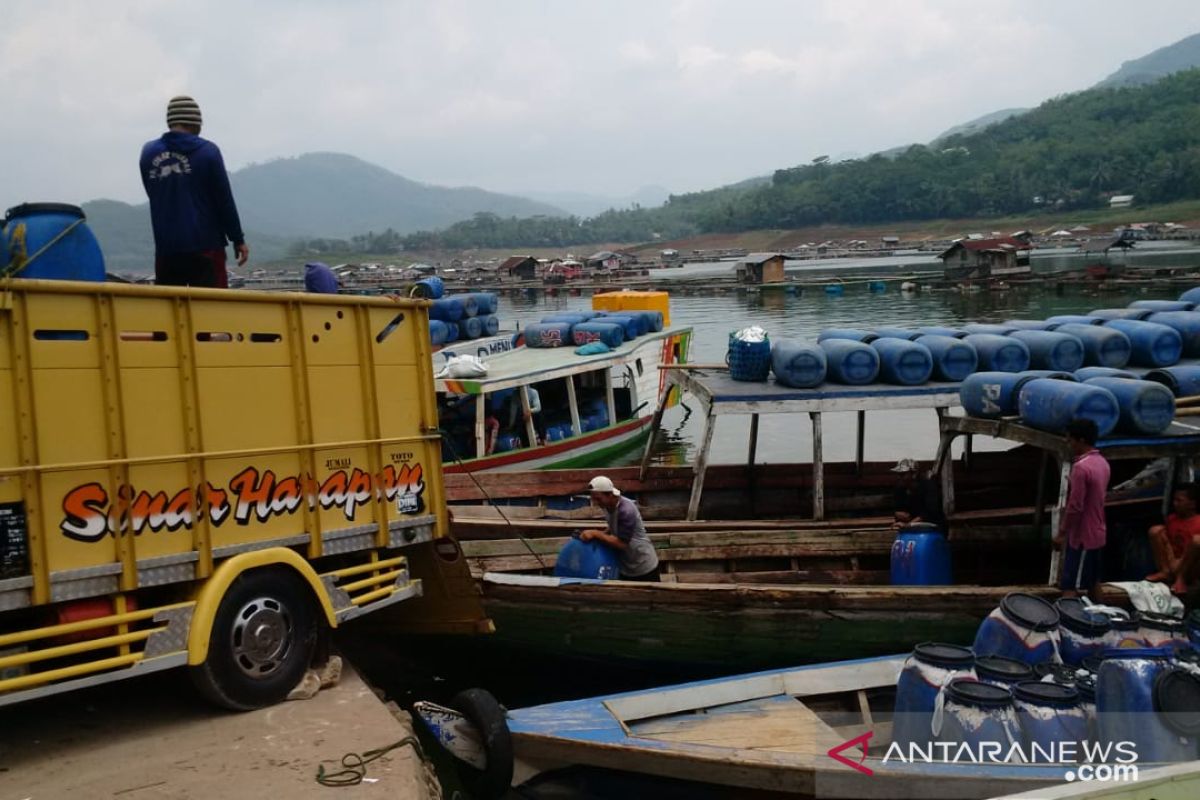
x=183 y=110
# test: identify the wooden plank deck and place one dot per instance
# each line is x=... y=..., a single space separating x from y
x=780 y=723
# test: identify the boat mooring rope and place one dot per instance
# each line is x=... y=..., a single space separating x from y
x=354 y=765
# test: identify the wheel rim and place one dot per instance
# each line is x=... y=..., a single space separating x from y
x=263 y=634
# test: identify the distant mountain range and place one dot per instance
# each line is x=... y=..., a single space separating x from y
x=582 y=204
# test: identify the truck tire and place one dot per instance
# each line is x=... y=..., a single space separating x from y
x=261 y=642
x=486 y=715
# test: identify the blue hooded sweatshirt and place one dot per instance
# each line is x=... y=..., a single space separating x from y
x=191 y=204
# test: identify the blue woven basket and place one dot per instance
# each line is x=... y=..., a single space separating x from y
x=748 y=361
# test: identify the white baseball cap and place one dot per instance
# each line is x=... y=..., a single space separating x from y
x=905 y=465
x=603 y=485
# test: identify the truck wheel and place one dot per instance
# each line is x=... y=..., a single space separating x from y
x=487 y=717
x=261 y=641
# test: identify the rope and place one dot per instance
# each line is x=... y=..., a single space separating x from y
x=354 y=765
x=11 y=271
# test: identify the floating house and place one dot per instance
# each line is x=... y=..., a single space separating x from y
x=761 y=268
x=1120 y=201
x=980 y=259
x=522 y=268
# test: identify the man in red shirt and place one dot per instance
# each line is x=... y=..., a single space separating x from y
x=1082 y=527
x=1170 y=541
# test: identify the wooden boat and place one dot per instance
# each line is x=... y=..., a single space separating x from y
x=817 y=731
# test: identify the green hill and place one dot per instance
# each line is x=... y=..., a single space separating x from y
x=1183 y=55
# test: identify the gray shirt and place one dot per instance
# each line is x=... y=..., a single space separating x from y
x=625 y=522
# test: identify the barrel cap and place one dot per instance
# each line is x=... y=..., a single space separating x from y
x=946 y=656
x=1077 y=618
x=1177 y=700
x=26 y=209
x=1029 y=610
x=1002 y=668
x=1124 y=623
x=1161 y=622
x=1060 y=673
x=971 y=692
x=1043 y=693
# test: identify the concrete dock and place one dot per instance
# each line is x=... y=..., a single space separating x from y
x=154 y=738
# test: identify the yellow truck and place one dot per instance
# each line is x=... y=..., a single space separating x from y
x=212 y=478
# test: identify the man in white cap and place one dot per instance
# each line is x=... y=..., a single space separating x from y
x=626 y=532
x=191 y=204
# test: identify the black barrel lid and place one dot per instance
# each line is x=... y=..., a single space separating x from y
x=25 y=209
x=1078 y=618
x=946 y=656
x=1160 y=622
x=1060 y=673
x=1030 y=611
x=1046 y=693
x=970 y=692
x=1177 y=700
x=1002 y=668
x=1125 y=624
x=1086 y=686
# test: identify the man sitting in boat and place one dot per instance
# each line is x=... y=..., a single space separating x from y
x=918 y=498
x=518 y=416
x=626 y=532
x=1176 y=543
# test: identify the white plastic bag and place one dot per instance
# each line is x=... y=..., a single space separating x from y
x=464 y=366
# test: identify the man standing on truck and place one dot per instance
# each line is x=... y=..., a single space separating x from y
x=191 y=204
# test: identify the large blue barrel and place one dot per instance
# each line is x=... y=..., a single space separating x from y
x=976 y=713
x=1107 y=314
x=486 y=302
x=1002 y=671
x=431 y=288
x=572 y=317
x=580 y=559
x=1074 y=319
x=1182 y=381
x=452 y=332
x=633 y=326
x=1102 y=346
x=471 y=328
x=491 y=324
x=953 y=359
x=1081 y=632
x=1191 y=296
x=903 y=362
x=50 y=241
x=921 y=557
x=926 y=672
x=941 y=330
x=999 y=353
x=849 y=362
x=1049 y=713
x=1152 y=345
x=548 y=334
x=506 y=442
x=1147 y=407
x=897 y=333
x=1050 y=405
x=453 y=308
x=797 y=364
x=438 y=331
x=1051 y=350
x=994 y=394
x=611 y=333
x=1186 y=324
x=1086 y=373
x=1138 y=697
x=1023 y=626
x=1126 y=633
x=1029 y=324
x=992 y=328
x=1162 y=630
x=654 y=319
x=1163 y=305
x=852 y=334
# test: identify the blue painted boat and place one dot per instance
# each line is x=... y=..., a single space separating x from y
x=822 y=730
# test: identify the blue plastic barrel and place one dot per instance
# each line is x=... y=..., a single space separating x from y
x=1107 y=314
x=1126 y=633
x=852 y=334
x=991 y=328
x=1074 y=319
x=548 y=334
x=1028 y=324
x=1191 y=296
x=471 y=328
x=506 y=442
x=748 y=361
x=438 y=331
x=573 y=317
x=992 y=394
x=940 y=330
x=1050 y=405
x=902 y=362
x=953 y=359
x=632 y=327
x=1086 y=373
x=1102 y=346
x=1061 y=352
x=653 y=320
x=1152 y=345
x=1163 y=305
x=797 y=364
x=849 y=362
x=1023 y=626
x=611 y=333
x=976 y=713
x=1186 y=324
x=431 y=288
x=486 y=302
x=1137 y=691
x=1182 y=381
x=926 y=672
x=1002 y=671
x=452 y=308
x=50 y=241
x=835 y=289
x=491 y=324
x=999 y=353
x=921 y=557
x=897 y=333
x=580 y=559
x=452 y=332
x=1048 y=713
x=1081 y=632
x=1147 y=407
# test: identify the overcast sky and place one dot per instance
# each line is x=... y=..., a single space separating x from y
x=598 y=96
